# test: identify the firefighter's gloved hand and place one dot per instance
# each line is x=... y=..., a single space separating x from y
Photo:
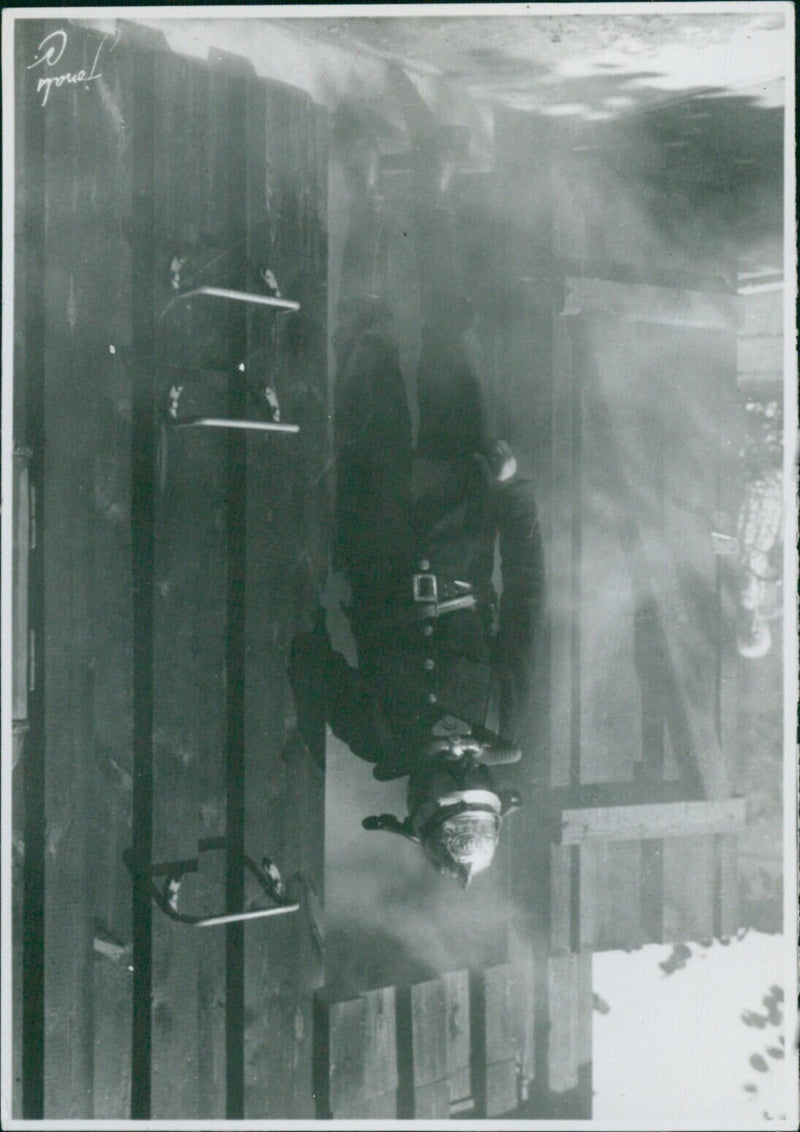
x=387 y=822
x=497 y=464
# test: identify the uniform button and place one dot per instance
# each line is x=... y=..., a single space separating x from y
x=427 y=630
x=429 y=665
x=432 y=698
x=424 y=564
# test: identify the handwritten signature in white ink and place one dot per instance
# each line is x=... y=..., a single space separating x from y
x=49 y=54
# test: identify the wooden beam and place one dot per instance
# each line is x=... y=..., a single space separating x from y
x=649 y=560
x=634 y=823
x=641 y=302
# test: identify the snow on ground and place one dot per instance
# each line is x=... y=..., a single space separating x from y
x=709 y=1043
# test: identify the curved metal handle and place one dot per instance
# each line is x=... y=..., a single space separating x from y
x=166 y=896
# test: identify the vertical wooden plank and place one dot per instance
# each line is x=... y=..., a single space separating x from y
x=347 y=1067
x=504 y=1011
x=29 y=415
x=276 y=1028
x=456 y=1005
x=109 y=288
x=377 y=1107
x=501 y=1088
x=19 y=683
x=112 y=1045
x=558 y=527
x=729 y=679
x=562 y=1059
x=285 y=790
x=210 y=882
x=429 y=1032
x=523 y=1012
x=689 y=890
x=611 y=736
x=267 y=1066
x=233 y=113
x=625 y=881
x=440 y=1025
x=142 y=577
x=584 y=1008
x=593 y=895
x=699 y=419
x=432 y=1101
x=461 y=1088
x=381 y=1052
x=729 y=918
x=652 y=889
x=71 y=406
x=16 y=957
x=500 y=989
x=560 y=898
x=20 y=658
x=190 y=622
x=113 y=976
x=610 y=895
x=611 y=698
x=362 y=1068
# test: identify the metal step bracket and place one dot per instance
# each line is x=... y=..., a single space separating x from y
x=234 y=422
x=206 y=420
x=273 y=301
x=171 y=874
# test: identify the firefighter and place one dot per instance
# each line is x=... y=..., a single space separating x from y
x=444 y=662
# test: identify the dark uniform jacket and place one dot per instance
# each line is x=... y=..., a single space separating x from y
x=403 y=520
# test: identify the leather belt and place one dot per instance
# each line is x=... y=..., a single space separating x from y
x=432 y=596
x=435 y=595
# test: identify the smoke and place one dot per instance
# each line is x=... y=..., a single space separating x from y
x=390 y=917
x=687 y=195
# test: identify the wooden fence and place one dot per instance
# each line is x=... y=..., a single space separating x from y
x=462 y=1043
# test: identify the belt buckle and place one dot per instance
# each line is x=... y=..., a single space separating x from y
x=425 y=588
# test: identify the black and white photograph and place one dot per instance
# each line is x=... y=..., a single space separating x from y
x=399 y=566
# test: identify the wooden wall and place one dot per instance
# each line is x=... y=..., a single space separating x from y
x=94 y=245
x=454 y=1045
